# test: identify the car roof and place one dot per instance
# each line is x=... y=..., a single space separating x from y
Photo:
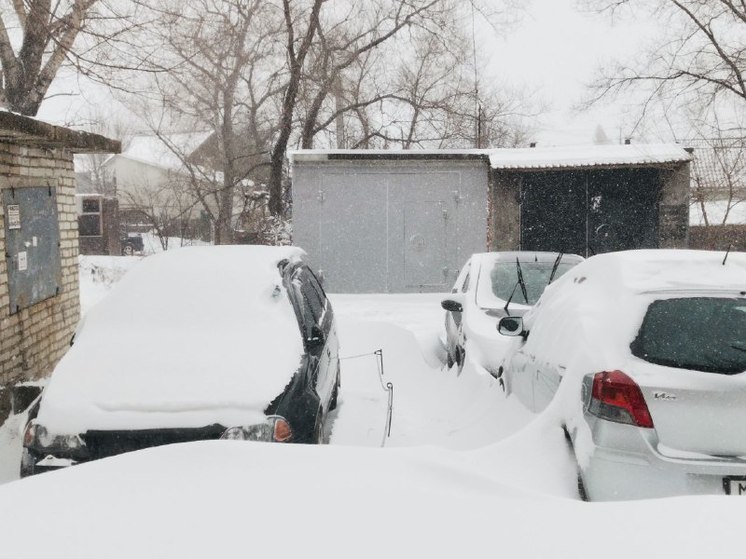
x=665 y=270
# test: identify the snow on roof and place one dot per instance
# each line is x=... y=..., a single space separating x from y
x=560 y=157
x=587 y=156
x=188 y=338
x=153 y=150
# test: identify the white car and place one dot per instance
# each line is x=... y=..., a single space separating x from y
x=492 y=285
x=643 y=355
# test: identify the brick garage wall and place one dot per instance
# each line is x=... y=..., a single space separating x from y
x=33 y=340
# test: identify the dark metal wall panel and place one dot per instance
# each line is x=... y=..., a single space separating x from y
x=32 y=238
x=590 y=212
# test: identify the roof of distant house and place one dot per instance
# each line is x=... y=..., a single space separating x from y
x=166 y=151
x=719 y=163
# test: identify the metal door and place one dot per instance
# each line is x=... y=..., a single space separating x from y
x=425 y=234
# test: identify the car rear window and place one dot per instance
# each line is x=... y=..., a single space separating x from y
x=698 y=333
x=503 y=279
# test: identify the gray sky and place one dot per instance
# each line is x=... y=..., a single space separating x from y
x=556 y=51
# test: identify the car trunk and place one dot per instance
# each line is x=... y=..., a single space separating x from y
x=697 y=412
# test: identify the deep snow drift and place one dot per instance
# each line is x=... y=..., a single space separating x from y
x=466 y=472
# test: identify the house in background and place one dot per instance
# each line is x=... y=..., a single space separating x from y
x=406 y=221
x=153 y=186
x=718 y=205
x=168 y=183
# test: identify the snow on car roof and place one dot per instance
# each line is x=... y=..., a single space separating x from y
x=188 y=338
x=658 y=270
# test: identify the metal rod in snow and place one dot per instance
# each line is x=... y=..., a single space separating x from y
x=727 y=252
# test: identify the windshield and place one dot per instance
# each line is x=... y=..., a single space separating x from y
x=699 y=333
x=497 y=281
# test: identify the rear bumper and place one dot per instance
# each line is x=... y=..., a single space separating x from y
x=626 y=464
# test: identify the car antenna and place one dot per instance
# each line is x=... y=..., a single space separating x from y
x=555 y=266
x=727 y=252
x=521 y=282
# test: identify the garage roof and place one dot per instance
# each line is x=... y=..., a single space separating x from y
x=545 y=158
x=538 y=158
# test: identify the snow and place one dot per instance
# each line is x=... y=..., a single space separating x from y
x=716 y=213
x=155 y=364
x=466 y=472
x=587 y=156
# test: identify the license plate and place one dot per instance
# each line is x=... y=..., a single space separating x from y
x=735 y=485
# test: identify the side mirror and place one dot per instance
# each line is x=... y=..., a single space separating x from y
x=510 y=326
x=453 y=303
x=317 y=339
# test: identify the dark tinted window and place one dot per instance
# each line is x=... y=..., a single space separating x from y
x=700 y=333
x=313 y=296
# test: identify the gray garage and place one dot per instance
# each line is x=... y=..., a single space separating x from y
x=378 y=221
x=390 y=222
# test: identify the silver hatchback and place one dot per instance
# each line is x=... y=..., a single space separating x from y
x=643 y=356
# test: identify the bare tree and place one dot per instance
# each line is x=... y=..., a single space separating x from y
x=38 y=36
x=701 y=51
x=213 y=49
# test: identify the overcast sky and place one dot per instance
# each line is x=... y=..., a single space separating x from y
x=556 y=51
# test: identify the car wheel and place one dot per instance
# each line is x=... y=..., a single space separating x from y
x=128 y=250
x=449 y=359
x=581 y=486
x=335 y=393
x=460 y=358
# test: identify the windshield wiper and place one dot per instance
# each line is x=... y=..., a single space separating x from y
x=556 y=265
x=520 y=280
x=510 y=299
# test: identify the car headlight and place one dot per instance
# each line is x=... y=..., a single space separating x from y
x=38 y=438
x=275 y=429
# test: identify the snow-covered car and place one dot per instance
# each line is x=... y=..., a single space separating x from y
x=233 y=342
x=643 y=355
x=492 y=285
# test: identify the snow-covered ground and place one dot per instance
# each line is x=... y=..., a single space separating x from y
x=465 y=472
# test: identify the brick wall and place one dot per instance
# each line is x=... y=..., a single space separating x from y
x=34 y=339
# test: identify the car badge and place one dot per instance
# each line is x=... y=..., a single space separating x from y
x=663 y=396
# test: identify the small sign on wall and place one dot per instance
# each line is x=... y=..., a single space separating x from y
x=22 y=261
x=14 y=216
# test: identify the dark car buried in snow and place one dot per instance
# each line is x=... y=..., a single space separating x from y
x=232 y=342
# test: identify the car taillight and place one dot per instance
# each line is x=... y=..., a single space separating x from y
x=616 y=397
x=282 y=431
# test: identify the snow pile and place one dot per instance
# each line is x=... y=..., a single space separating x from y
x=98 y=274
x=229 y=498
x=187 y=338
